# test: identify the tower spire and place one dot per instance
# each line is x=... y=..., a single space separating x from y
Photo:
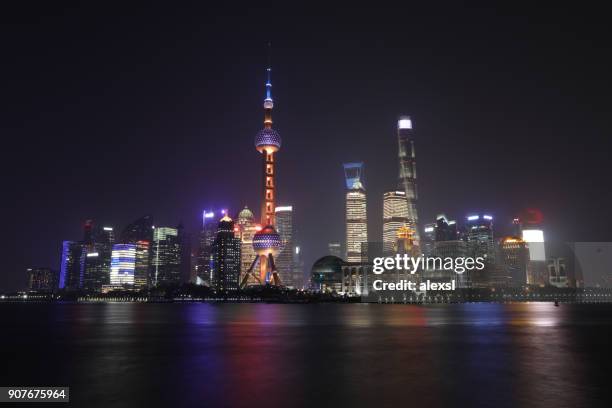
x=268 y=102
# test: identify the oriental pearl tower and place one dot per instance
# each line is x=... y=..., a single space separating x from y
x=266 y=242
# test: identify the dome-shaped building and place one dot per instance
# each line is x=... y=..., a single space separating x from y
x=246 y=215
x=326 y=273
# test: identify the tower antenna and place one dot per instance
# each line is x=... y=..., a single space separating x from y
x=269 y=72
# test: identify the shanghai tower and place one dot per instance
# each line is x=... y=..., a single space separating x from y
x=407 y=169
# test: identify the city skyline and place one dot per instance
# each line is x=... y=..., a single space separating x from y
x=120 y=133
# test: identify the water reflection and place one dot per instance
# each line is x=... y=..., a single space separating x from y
x=239 y=355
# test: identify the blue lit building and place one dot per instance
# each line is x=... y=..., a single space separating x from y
x=72 y=265
x=123 y=263
x=207 y=237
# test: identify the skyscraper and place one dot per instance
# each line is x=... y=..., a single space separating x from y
x=407 y=169
x=515 y=257
x=226 y=257
x=533 y=235
x=395 y=216
x=140 y=234
x=356 y=214
x=267 y=242
x=447 y=243
x=284 y=262
x=142 y=263
x=428 y=239
x=97 y=266
x=123 y=261
x=72 y=265
x=479 y=235
x=445 y=229
x=207 y=236
x=166 y=256
x=185 y=255
x=299 y=279
x=246 y=230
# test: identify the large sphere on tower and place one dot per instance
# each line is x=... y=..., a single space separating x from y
x=267 y=139
x=267 y=241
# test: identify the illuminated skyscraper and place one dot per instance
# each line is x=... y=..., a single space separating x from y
x=226 y=257
x=166 y=256
x=446 y=243
x=445 y=229
x=72 y=265
x=395 y=216
x=123 y=262
x=479 y=235
x=140 y=234
x=407 y=169
x=529 y=227
x=479 y=232
x=142 y=264
x=298 y=267
x=97 y=263
x=267 y=242
x=428 y=239
x=246 y=231
x=207 y=237
x=284 y=262
x=356 y=214
x=515 y=257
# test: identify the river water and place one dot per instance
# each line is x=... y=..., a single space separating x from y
x=325 y=355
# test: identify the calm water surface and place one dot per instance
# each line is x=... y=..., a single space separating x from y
x=250 y=355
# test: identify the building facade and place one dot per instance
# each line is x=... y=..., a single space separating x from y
x=98 y=245
x=395 y=216
x=356 y=212
x=204 y=257
x=284 y=261
x=245 y=231
x=72 y=265
x=123 y=261
x=407 y=169
x=226 y=258
x=514 y=259
x=166 y=257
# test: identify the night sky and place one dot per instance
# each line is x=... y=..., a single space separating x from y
x=110 y=113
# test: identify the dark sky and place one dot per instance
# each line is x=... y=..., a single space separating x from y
x=110 y=113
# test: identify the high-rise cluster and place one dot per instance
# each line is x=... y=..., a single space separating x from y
x=143 y=256
x=400 y=219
